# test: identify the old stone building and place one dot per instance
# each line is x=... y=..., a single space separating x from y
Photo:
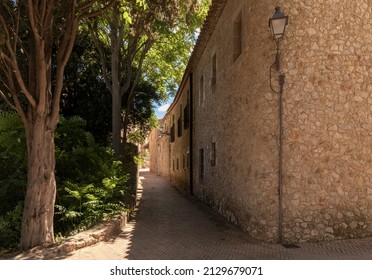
x=170 y=143
x=319 y=185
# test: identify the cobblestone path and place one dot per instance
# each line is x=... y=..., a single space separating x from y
x=173 y=225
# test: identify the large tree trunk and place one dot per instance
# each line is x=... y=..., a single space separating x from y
x=38 y=212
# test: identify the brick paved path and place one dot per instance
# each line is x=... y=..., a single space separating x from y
x=173 y=225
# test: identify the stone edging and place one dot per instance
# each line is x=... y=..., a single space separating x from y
x=97 y=233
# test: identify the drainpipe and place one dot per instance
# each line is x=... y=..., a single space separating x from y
x=191 y=127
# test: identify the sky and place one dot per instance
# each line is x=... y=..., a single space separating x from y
x=162 y=109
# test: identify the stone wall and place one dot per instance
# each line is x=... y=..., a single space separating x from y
x=153 y=150
x=159 y=149
x=179 y=153
x=327 y=101
x=169 y=144
x=239 y=115
x=326 y=57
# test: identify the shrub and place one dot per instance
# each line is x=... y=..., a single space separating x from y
x=13 y=175
x=10 y=227
x=91 y=182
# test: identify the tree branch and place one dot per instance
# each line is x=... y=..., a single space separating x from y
x=93 y=31
x=147 y=47
x=31 y=17
x=7 y=101
x=64 y=52
x=84 y=7
x=12 y=62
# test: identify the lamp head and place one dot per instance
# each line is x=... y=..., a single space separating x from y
x=277 y=24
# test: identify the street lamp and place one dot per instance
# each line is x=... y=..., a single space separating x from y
x=277 y=24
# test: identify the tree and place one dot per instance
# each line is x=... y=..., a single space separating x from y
x=29 y=32
x=85 y=94
x=131 y=29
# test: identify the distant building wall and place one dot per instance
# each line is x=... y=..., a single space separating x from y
x=153 y=138
x=159 y=148
x=179 y=115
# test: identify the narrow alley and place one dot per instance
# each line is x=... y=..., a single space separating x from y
x=171 y=225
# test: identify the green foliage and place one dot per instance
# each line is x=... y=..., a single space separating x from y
x=10 y=227
x=91 y=182
x=166 y=61
x=85 y=93
x=13 y=174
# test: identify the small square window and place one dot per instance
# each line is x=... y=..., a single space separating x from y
x=201 y=164
x=214 y=70
x=201 y=91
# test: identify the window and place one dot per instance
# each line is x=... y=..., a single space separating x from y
x=214 y=70
x=186 y=112
x=174 y=167
x=178 y=167
x=201 y=164
x=179 y=123
x=213 y=154
x=188 y=159
x=201 y=91
x=173 y=131
x=183 y=161
x=237 y=37
x=186 y=116
x=172 y=134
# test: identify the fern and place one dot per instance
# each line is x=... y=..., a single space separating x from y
x=10 y=227
x=90 y=140
x=12 y=161
x=91 y=182
x=9 y=121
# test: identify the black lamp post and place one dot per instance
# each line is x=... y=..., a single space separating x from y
x=277 y=24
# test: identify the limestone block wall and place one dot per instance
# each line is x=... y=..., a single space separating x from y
x=327 y=102
x=327 y=59
x=163 y=156
x=159 y=148
x=153 y=150
x=327 y=176
x=239 y=115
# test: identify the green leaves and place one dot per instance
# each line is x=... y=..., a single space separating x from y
x=91 y=182
x=127 y=17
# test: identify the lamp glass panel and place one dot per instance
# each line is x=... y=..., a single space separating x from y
x=278 y=27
